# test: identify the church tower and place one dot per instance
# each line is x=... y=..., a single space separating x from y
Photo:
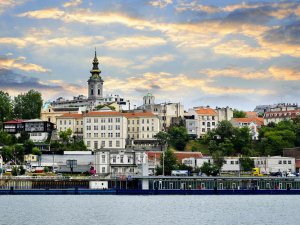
x=148 y=99
x=95 y=82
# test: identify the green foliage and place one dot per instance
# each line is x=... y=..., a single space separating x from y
x=15 y=171
x=169 y=160
x=46 y=169
x=36 y=151
x=65 y=135
x=28 y=146
x=246 y=163
x=24 y=136
x=19 y=153
x=238 y=114
x=224 y=130
x=99 y=107
x=162 y=139
x=218 y=157
x=209 y=169
x=6 y=108
x=7 y=153
x=28 y=105
x=6 y=138
x=22 y=171
x=178 y=137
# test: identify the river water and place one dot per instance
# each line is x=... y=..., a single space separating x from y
x=146 y=210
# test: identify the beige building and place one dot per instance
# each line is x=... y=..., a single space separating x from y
x=72 y=121
x=141 y=128
x=167 y=112
x=200 y=120
x=277 y=116
x=50 y=113
x=104 y=129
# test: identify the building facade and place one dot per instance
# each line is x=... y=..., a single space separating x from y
x=278 y=116
x=70 y=121
x=254 y=124
x=141 y=129
x=200 y=120
x=104 y=130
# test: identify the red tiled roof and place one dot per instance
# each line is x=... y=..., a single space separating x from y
x=98 y=113
x=206 y=111
x=139 y=114
x=71 y=115
x=14 y=121
x=251 y=114
x=257 y=120
x=179 y=155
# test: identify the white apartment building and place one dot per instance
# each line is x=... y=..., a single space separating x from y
x=254 y=124
x=275 y=164
x=121 y=163
x=200 y=120
x=141 y=128
x=104 y=130
x=277 y=116
x=72 y=121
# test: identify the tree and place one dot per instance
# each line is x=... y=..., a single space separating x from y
x=6 y=108
x=218 y=158
x=7 y=153
x=19 y=153
x=162 y=139
x=209 y=169
x=28 y=146
x=28 y=105
x=6 y=138
x=178 y=137
x=238 y=114
x=246 y=163
x=24 y=136
x=36 y=151
x=224 y=130
x=168 y=160
x=65 y=135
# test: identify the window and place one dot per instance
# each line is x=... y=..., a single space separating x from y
x=118 y=135
x=147 y=121
x=203 y=123
x=88 y=120
x=152 y=128
x=65 y=122
x=88 y=127
x=143 y=128
x=110 y=144
x=96 y=120
x=236 y=162
x=95 y=135
x=137 y=122
x=110 y=127
x=142 y=121
x=88 y=144
x=117 y=143
x=284 y=161
x=60 y=122
x=118 y=120
x=128 y=121
x=102 y=127
x=77 y=122
x=102 y=120
x=103 y=158
x=103 y=135
x=231 y=162
x=69 y=122
x=102 y=144
x=213 y=123
x=114 y=159
x=95 y=127
x=147 y=128
x=133 y=129
x=95 y=144
x=110 y=120
x=103 y=169
x=289 y=162
x=118 y=127
x=81 y=122
x=122 y=159
x=280 y=162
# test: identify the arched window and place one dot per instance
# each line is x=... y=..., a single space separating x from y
x=98 y=91
x=92 y=91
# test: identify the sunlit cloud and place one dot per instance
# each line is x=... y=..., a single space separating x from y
x=115 y=61
x=148 y=62
x=239 y=48
x=160 y=3
x=134 y=42
x=72 y=3
x=5 y=4
x=18 y=63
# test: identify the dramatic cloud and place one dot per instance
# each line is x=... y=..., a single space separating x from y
x=49 y=42
x=134 y=42
x=273 y=72
x=160 y=3
x=239 y=48
x=72 y=3
x=9 y=63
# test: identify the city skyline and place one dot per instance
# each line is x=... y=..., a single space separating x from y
x=194 y=52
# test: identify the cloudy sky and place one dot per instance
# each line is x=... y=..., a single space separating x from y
x=198 y=52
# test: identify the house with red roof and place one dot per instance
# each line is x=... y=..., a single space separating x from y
x=200 y=120
x=253 y=123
